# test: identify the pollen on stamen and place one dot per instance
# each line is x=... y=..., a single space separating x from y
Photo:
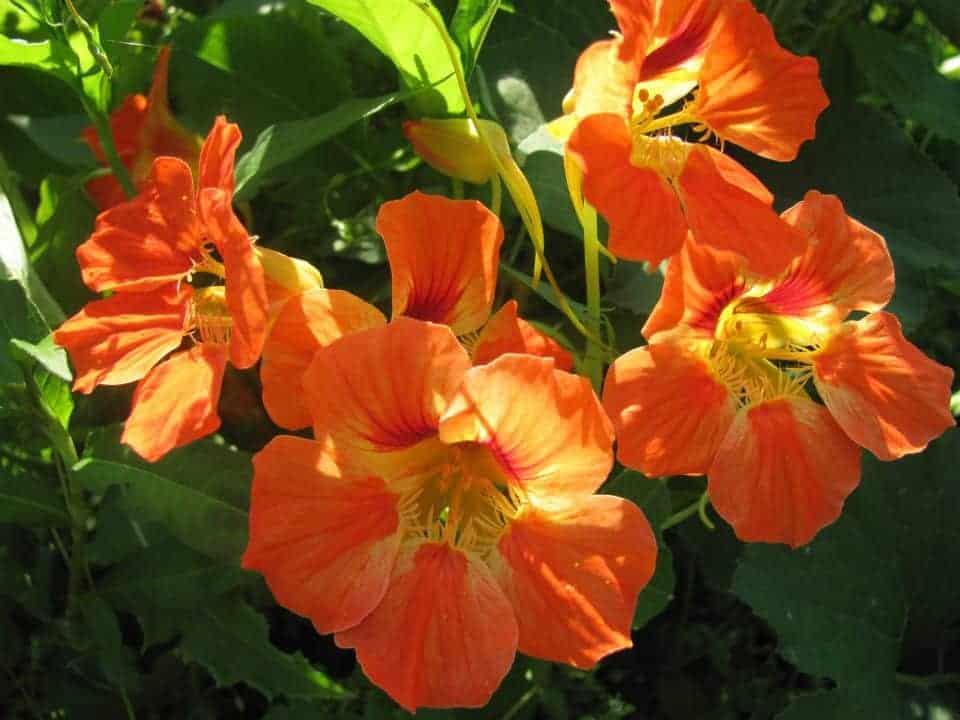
x=210 y=315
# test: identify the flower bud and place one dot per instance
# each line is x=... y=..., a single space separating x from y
x=454 y=147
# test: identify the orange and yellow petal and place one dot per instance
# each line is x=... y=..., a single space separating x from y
x=700 y=282
x=573 y=577
x=286 y=276
x=148 y=241
x=783 y=472
x=376 y=394
x=506 y=332
x=118 y=340
x=846 y=266
x=727 y=217
x=602 y=82
x=444 y=258
x=176 y=403
x=306 y=323
x=246 y=291
x=884 y=392
x=669 y=410
x=444 y=634
x=683 y=33
x=642 y=209
x=545 y=426
x=217 y=156
x=756 y=94
x=325 y=544
x=453 y=146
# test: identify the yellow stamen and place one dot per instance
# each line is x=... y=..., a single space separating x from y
x=211 y=316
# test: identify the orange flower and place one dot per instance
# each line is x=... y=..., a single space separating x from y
x=143 y=129
x=742 y=348
x=444 y=517
x=652 y=186
x=443 y=258
x=144 y=250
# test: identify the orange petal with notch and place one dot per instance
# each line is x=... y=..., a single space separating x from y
x=783 y=472
x=217 y=156
x=727 y=217
x=378 y=393
x=176 y=403
x=885 y=393
x=603 y=81
x=506 y=332
x=148 y=241
x=306 y=323
x=669 y=410
x=243 y=277
x=545 y=426
x=582 y=568
x=444 y=634
x=117 y=340
x=325 y=544
x=756 y=94
x=443 y=259
x=846 y=266
x=700 y=282
x=642 y=209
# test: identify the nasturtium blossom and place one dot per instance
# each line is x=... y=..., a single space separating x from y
x=143 y=129
x=453 y=146
x=722 y=387
x=147 y=251
x=444 y=517
x=443 y=256
x=721 y=58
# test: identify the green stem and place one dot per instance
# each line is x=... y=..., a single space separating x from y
x=457 y=188
x=593 y=358
x=496 y=194
x=102 y=125
x=695 y=508
x=929 y=681
x=519 y=704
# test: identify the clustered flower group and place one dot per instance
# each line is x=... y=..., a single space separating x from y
x=444 y=513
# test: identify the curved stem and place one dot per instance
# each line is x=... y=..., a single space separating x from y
x=593 y=358
x=695 y=508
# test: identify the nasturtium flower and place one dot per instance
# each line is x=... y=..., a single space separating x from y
x=653 y=186
x=180 y=267
x=143 y=129
x=443 y=258
x=444 y=517
x=453 y=146
x=723 y=386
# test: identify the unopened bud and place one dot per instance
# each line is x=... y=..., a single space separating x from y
x=454 y=147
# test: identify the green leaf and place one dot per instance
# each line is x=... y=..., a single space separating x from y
x=469 y=27
x=47 y=355
x=25 y=501
x=283 y=142
x=653 y=497
x=199 y=493
x=945 y=14
x=168 y=575
x=403 y=32
x=871 y=587
x=47 y=56
x=232 y=642
x=99 y=633
x=916 y=208
x=907 y=77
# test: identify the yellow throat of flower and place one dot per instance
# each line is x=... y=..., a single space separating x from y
x=210 y=315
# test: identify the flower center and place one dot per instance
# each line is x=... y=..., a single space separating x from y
x=210 y=314
x=465 y=500
x=664 y=154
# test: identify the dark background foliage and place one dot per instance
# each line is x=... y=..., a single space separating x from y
x=862 y=623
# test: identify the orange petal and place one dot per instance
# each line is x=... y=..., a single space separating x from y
x=669 y=410
x=443 y=259
x=217 y=156
x=683 y=33
x=728 y=217
x=636 y=19
x=325 y=544
x=699 y=284
x=602 y=81
x=306 y=323
x=646 y=222
x=378 y=393
x=846 y=265
x=243 y=277
x=545 y=426
x=783 y=472
x=148 y=241
x=126 y=122
x=573 y=577
x=117 y=340
x=756 y=94
x=885 y=393
x=444 y=634
x=508 y=333
x=176 y=403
